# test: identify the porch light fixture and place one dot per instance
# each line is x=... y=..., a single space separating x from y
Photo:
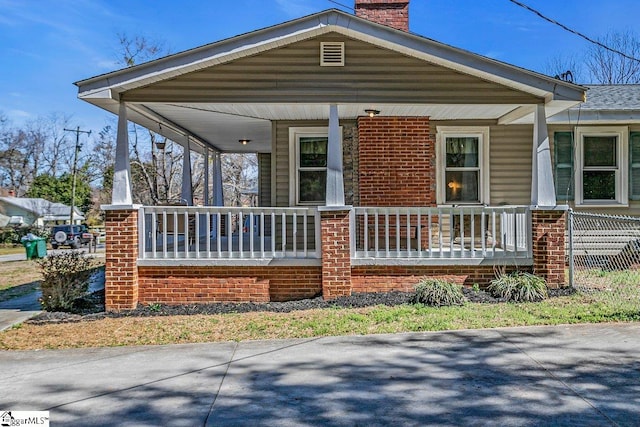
x=244 y=141
x=371 y=112
x=160 y=144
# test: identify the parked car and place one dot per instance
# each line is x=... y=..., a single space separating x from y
x=73 y=236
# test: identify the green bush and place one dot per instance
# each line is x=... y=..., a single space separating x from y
x=11 y=235
x=65 y=278
x=437 y=292
x=519 y=287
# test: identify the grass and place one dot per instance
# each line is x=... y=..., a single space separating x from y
x=11 y=250
x=590 y=306
x=17 y=273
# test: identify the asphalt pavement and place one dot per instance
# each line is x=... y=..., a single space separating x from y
x=580 y=375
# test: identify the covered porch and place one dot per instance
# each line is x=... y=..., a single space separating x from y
x=376 y=207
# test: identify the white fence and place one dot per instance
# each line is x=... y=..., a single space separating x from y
x=429 y=235
x=470 y=233
x=181 y=232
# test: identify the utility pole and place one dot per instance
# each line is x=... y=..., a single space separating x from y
x=77 y=131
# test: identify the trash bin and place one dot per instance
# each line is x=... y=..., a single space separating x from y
x=30 y=247
x=35 y=247
x=41 y=248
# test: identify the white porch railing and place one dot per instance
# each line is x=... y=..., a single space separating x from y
x=181 y=232
x=434 y=235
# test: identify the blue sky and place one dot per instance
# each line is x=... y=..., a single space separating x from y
x=46 y=45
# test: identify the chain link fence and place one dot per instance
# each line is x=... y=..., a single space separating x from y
x=604 y=258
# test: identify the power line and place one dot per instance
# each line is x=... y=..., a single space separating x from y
x=564 y=27
x=341 y=5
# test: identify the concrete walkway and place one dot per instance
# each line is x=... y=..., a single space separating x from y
x=582 y=375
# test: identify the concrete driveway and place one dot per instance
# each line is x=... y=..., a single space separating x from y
x=584 y=375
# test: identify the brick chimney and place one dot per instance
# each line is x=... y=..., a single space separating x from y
x=392 y=13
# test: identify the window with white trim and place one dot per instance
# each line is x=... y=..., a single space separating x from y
x=308 y=165
x=601 y=166
x=463 y=165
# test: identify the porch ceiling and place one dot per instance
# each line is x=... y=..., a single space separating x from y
x=221 y=125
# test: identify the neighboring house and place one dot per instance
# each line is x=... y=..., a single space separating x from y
x=596 y=151
x=383 y=156
x=19 y=211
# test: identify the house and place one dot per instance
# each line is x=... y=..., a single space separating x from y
x=596 y=151
x=383 y=156
x=24 y=211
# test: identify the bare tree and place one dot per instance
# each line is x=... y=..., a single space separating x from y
x=566 y=67
x=240 y=172
x=607 y=67
x=138 y=49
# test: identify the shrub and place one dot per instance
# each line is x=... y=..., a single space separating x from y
x=437 y=292
x=519 y=287
x=65 y=278
x=11 y=235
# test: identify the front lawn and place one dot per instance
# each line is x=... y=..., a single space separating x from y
x=620 y=303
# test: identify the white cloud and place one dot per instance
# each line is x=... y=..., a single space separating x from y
x=18 y=115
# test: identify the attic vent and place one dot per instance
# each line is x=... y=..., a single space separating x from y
x=332 y=54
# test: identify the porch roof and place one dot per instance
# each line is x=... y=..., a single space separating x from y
x=219 y=124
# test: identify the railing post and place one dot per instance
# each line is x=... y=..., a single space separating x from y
x=122 y=227
x=548 y=230
x=336 y=250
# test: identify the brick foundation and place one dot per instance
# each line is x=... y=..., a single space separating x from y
x=336 y=253
x=548 y=228
x=121 y=260
x=182 y=285
x=404 y=278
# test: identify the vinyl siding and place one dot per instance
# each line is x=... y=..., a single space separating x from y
x=293 y=74
x=510 y=149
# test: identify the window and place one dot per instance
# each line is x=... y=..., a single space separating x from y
x=463 y=170
x=563 y=165
x=601 y=169
x=308 y=165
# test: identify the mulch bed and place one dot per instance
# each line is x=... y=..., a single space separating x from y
x=92 y=306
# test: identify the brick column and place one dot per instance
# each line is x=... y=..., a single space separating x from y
x=548 y=228
x=121 y=258
x=336 y=252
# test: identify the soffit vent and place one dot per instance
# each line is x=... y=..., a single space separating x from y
x=332 y=54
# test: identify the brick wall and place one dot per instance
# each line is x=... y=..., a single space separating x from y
x=549 y=246
x=393 y=13
x=404 y=278
x=396 y=161
x=121 y=257
x=186 y=284
x=336 y=254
